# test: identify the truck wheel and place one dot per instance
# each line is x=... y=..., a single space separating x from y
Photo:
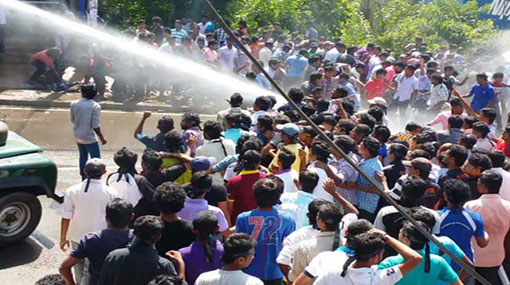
x=20 y=214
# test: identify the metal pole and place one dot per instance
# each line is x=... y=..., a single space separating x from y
x=337 y=149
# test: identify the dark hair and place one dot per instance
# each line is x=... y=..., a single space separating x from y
x=251 y=158
x=490 y=113
x=234 y=120
x=152 y=159
x=456 y=191
x=321 y=150
x=313 y=210
x=266 y=122
x=314 y=76
x=206 y=225
x=482 y=75
x=377 y=113
x=362 y=129
x=126 y=160
x=166 y=124
x=497 y=158
x=413 y=189
x=148 y=228
x=329 y=119
x=456 y=102
x=429 y=147
x=365 y=245
x=286 y=158
x=308 y=180
x=345 y=143
x=418 y=240
x=169 y=198
x=469 y=121
x=419 y=153
x=455 y=121
x=482 y=128
x=331 y=215
x=172 y=141
x=468 y=140
x=423 y=215
x=201 y=182
x=119 y=212
x=357 y=227
x=192 y=117
x=88 y=91
x=372 y=145
x=367 y=119
x=165 y=279
x=237 y=245
x=398 y=150
x=459 y=153
x=412 y=126
x=263 y=103
x=296 y=95
x=51 y=279
x=293 y=115
x=266 y=193
x=322 y=105
x=492 y=180
x=309 y=109
x=347 y=125
x=382 y=133
x=481 y=161
x=213 y=129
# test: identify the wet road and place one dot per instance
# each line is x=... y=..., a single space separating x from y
x=39 y=255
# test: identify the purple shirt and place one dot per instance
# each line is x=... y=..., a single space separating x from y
x=195 y=131
x=194 y=206
x=194 y=259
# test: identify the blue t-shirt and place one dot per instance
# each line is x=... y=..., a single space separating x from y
x=296 y=65
x=235 y=134
x=153 y=142
x=96 y=246
x=450 y=245
x=268 y=228
x=482 y=96
x=383 y=151
x=439 y=270
x=461 y=225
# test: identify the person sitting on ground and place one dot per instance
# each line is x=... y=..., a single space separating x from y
x=269 y=241
x=432 y=268
x=155 y=142
x=205 y=253
x=369 y=248
x=176 y=233
x=238 y=253
x=140 y=262
x=96 y=246
x=201 y=183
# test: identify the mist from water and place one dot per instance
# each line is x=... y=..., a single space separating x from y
x=211 y=86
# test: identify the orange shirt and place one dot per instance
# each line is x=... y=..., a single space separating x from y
x=42 y=56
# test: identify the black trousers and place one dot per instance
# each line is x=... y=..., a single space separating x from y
x=2 y=37
x=489 y=273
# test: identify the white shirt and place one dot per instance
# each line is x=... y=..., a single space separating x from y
x=223 y=277
x=217 y=148
x=255 y=119
x=86 y=210
x=439 y=93
x=319 y=191
x=326 y=261
x=504 y=191
x=265 y=55
x=485 y=143
x=125 y=189
x=291 y=241
x=202 y=26
x=361 y=276
x=405 y=87
x=288 y=178
x=166 y=47
x=332 y=55
x=226 y=58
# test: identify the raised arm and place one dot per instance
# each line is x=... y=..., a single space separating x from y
x=139 y=128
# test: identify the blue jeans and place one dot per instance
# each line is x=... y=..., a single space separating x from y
x=85 y=150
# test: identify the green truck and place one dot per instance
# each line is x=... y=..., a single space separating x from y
x=25 y=173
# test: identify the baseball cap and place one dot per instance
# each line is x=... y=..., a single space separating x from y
x=378 y=101
x=289 y=128
x=236 y=99
x=419 y=163
x=95 y=167
x=201 y=163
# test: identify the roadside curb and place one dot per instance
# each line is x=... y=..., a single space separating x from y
x=104 y=106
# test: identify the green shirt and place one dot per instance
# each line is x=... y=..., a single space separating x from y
x=439 y=270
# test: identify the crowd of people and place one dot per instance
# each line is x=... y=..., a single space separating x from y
x=258 y=197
